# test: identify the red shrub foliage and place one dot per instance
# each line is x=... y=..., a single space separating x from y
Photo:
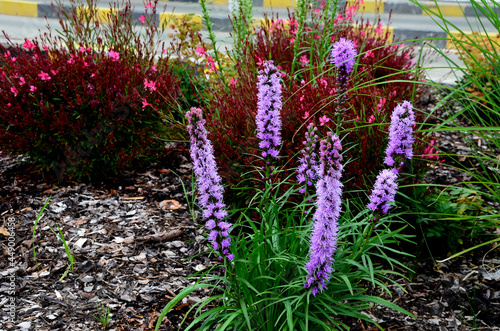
x=80 y=113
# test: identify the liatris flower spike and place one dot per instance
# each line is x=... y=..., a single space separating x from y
x=328 y=203
x=209 y=184
x=343 y=56
x=268 y=119
x=306 y=172
x=384 y=191
x=400 y=133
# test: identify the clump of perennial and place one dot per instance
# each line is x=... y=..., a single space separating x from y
x=343 y=56
x=209 y=184
x=308 y=162
x=269 y=104
x=328 y=207
x=384 y=191
x=400 y=133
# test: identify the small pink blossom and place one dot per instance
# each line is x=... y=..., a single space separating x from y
x=45 y=47
x=211 y=63
x=114 y=55
x=14 y=90
x=149 y=84
x=32 y=88
x=28 y=44
x=44 y=76
x=142 y=19
x=145 y=103
x=369 y=54
x=371 y=119
x=306 y=115
x=163 y=50
x=54 y=72
x=323 y=120
x=149 y=5
x=22 y=81
x=82 y=49
x=304 y=61
x=200 y=51
x=232 y=82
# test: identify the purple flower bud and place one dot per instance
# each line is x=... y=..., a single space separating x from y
x=306 y=171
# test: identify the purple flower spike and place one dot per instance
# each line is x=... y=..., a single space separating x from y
x=306 y=172
x=269 y=105
x=209 y=183
x=384 y=191
x=344 y=55
x=400 y=133
x=328 y=203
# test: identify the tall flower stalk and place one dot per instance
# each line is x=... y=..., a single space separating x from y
x=343 y=56
x=307 y=169
x=328 y=207
x=268 y=119
x=209 y=184
x=400 y=143
x=400 y=134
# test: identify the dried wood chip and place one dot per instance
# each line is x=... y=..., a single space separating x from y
x=170 y=204
x=161 y=236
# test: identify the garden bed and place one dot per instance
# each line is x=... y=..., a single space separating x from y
x=133 y=238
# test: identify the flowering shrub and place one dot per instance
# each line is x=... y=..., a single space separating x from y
x=80 y=113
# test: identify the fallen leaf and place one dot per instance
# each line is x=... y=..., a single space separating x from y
x=164 y=171
x=170 y=204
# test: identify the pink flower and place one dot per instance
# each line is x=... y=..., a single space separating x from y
x=22 y=81
x=369 y=54
x=200 y=51
x=306 y=115
x=323 y=120
x=149 y=84
x=14 y=90
x=32 y=88
x=232 y=82
x=304 y=61
x=82 y=49
x=145 y=103
x=54 y=72
x=163 y=50
x=379 y=29
x=46 y=47
x=44 y=76
x=28 y=44
x=371 y=119
x=211 y=63
x=114 y=55
x=149 y=5
x=142 y=19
